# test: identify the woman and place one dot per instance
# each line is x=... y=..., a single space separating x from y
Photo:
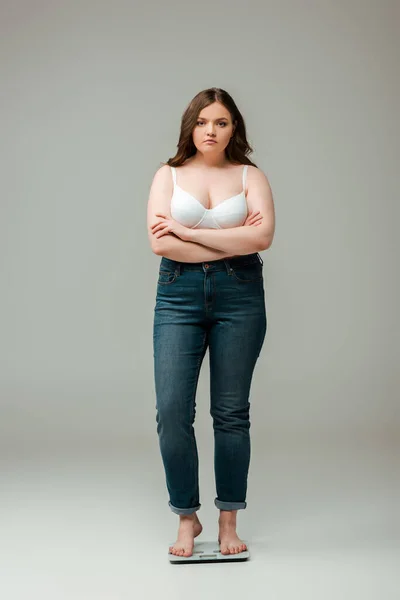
x=210 y=212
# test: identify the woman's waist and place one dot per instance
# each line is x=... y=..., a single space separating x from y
x=219 y=264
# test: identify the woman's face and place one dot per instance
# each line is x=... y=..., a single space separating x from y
x=213 y=123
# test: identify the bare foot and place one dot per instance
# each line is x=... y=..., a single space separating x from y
x=228 y=539
x=189 y=528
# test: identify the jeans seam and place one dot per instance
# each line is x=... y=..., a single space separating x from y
x=193 y=409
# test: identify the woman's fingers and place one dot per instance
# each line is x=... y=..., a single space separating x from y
x=163 y=231
x=160 y=229
x=156 y=226
x=254 y=219
x=252 y=216
x=249 y=219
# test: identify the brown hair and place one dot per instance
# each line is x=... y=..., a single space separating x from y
x=238 y=147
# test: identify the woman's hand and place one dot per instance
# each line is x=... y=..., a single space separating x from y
x=253 y=219
x=165 y=226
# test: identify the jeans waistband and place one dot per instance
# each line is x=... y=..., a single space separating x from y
x=212 y=265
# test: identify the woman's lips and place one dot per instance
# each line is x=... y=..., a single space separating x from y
x=210 y=142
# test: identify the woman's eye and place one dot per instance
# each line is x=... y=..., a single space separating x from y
x=202 y=123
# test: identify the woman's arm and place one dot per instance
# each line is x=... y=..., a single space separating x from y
x=172 y=247
x=236 y=240
x=244 y=239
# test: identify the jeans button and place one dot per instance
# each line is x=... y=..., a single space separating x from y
x=206 y=265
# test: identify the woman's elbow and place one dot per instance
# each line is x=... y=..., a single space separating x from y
x=158 y=245
x=154 y=244
x=265 y=242
x=267 y=236
x=155 y=248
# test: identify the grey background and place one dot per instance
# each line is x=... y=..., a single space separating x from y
x=91 y=99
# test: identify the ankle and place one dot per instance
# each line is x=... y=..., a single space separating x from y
x=188 y=518
x=227 y=524
x=227 y=518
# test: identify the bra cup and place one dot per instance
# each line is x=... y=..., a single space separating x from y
x=188 y=211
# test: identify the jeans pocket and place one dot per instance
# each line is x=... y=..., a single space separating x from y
x=248 y=273
x=166 y=277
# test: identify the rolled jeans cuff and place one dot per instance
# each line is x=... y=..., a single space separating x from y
x=229 y=505
x=183 y=511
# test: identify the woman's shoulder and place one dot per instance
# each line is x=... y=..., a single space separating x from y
x=163 y=168
x=256 y=177
x=162 y=177
x=163 y=171
x=255 y=171
x=242 y=165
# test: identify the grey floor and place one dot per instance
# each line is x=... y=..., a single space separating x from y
x=322 y=522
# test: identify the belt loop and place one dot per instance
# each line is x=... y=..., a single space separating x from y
x=260 y=259
x=178 y=269
x=227 y=265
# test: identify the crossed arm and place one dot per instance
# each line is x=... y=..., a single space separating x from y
x=174 y=248
x=174 y=241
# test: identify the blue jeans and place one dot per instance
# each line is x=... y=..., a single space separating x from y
x=218 y=305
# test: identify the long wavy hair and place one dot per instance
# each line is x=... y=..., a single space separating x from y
x=238 y=148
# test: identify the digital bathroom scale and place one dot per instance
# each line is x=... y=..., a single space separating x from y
x=206 y=552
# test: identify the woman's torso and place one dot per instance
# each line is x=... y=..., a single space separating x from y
x=210 y=206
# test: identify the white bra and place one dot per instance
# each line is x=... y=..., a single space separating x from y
x=188 y=211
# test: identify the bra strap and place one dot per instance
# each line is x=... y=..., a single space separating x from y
x=244 y=176
x=173 y=175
